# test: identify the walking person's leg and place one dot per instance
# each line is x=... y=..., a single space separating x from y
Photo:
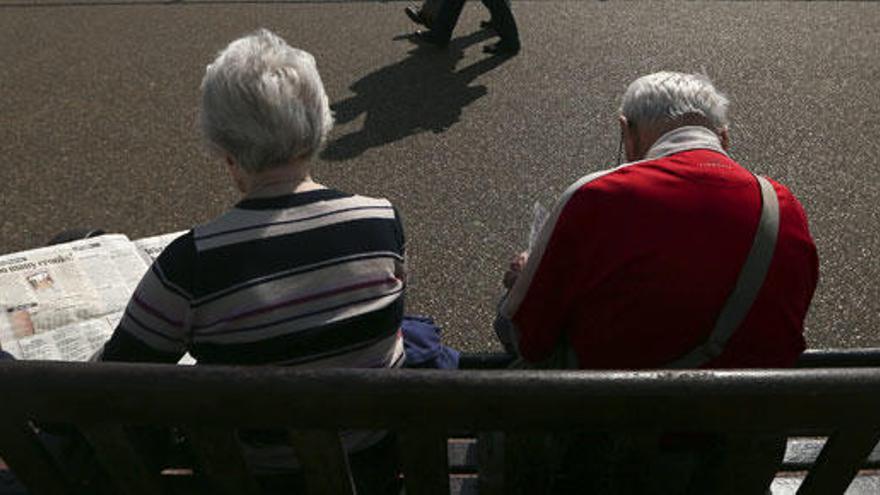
x=425 y=14
x=505 y=25
x=444 y=23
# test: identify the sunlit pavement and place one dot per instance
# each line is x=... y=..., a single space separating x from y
x=98 y=106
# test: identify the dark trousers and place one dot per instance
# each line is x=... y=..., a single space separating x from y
x=499 y=10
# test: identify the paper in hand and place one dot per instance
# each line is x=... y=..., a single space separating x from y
x=539 y=216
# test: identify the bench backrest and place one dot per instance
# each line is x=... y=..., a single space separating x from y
x=210 y=403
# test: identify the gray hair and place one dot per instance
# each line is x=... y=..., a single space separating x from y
x=263 y=103
x=657 y=100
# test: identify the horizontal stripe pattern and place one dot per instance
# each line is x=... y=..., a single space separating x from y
x=307 y=344
x=385 y=352
x=308 y=279
x=290 y=281
x=257 y=258
x=156 y=314
x=300 y=301
x=244 y=225
x=294 y=320
x=265 y=282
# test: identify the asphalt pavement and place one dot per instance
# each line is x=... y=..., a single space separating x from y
x=98 y=107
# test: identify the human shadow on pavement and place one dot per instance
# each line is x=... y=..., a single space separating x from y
x=423 y=92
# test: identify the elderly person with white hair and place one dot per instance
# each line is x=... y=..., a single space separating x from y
x=636 y=263
x=295 y=274
x=680 y=258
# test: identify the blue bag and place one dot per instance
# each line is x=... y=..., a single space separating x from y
x=421 y=342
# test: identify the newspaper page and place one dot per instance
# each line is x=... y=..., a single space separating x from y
x=151 y=247
x=62 y=302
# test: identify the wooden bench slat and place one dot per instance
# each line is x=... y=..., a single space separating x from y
x=839 y=461
x=21 y=449
x=219 y=455
x=725 y=400
x=464 y=485
x=800 y=455
x=865 y=483
x=811 y=358
x=323 y=461
x=121 y=462
x=424 y=460
x=463 y=456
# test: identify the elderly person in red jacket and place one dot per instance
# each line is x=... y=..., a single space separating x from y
x=635 y=264
x=679 y=258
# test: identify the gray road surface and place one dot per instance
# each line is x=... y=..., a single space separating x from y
x=98 y=124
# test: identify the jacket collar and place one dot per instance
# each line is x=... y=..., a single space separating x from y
x=689 y=137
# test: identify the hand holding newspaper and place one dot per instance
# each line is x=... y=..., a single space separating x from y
x=518 y=262
x=503 y=328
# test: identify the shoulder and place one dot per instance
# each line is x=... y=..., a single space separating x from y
x=382 y=207
x=792 y=213
x=178 y=254
x=787 y=199
x=175 y=263
x=603 y=183
x=369 y=201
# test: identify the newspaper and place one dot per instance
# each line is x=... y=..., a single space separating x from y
x=539 y=218
x=151 y=247
x=63 y=302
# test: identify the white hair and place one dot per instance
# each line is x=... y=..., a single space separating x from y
x=657 y=100
x=263 y=102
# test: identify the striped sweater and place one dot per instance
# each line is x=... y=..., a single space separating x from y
x=311 y=279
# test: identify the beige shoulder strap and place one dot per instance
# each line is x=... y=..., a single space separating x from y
x=748 y=284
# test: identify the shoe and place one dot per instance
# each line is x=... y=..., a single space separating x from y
x=502 y=48
x=430 y=38
x=415 y=15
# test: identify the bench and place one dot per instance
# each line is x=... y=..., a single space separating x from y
x=833 y=395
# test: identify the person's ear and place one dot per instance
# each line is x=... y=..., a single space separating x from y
x=725 y=139
x=236 y=174
x=630 y=139
x=624 y=124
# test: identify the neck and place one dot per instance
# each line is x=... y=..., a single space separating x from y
x=685 y=138
x=277 y=181
x=686 y=120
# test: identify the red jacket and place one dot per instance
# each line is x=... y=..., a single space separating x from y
x=633 y=266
